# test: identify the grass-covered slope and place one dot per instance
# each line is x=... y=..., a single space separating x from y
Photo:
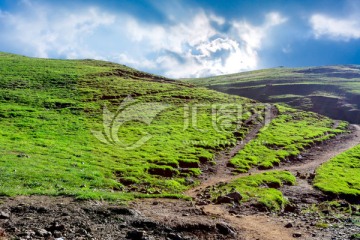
x=284 y=138
x=51 y=111
x=69 y=127
x=341 y=175
x=333 y=91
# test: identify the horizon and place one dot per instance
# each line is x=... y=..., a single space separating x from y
x=235 y=73
x=186 y=39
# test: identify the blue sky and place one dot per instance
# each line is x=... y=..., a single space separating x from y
x=183 y=38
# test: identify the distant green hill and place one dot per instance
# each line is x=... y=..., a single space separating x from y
x=333 y=91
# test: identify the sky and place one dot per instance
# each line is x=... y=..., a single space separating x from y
x=186 y=38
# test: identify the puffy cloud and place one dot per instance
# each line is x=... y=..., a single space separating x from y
x=40 y=30
x=343 y=29
x=194 y=45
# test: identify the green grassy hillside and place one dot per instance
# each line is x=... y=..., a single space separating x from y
x=70 y=127
x=55 y=140
x=333 y=91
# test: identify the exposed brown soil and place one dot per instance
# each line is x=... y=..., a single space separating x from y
x=40 y=217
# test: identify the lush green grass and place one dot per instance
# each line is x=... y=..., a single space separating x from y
x=341 y=175
x=52 y=110
x=285 y=137
x=49 y=109
x=260 y=188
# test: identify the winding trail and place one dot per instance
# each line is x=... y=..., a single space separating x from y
x=222 y=171
x=261 y=226
x=312 y=159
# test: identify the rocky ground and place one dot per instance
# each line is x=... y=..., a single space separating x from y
x=39 y=217
x=65 y=218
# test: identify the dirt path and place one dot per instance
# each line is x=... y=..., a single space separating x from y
x=312 y=158
x=222 y=171
x=252 y=227
x=321 y=154
x=262 y=226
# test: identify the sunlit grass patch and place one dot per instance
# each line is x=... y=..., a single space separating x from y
x=341 y=175
x=261 y=188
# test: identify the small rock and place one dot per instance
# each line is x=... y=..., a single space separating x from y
x=4 y=215
x=297 y=234
x=23 y=155
x=42 y=233
x=312 y=175
x=224 y=229
x=232 y=211
x=55 y=226
x=144 y=224
x=135 y=234
x=289 y=225
x=223 y=199
x=291 y=208
x=235 y=196
x=123 y=225
x=57 y=234
x=303 y=176
x=82 y=231
x=201 y=203
x=174 y=236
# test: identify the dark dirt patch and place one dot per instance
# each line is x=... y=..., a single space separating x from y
x=49 y=217
x=317 y=70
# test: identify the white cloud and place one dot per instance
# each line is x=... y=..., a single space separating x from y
x=198 y=49
x=273 y=19
x=43 y=31
x=343 y=29
x=217 y=19
x=187 y=46
x=137 y=63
